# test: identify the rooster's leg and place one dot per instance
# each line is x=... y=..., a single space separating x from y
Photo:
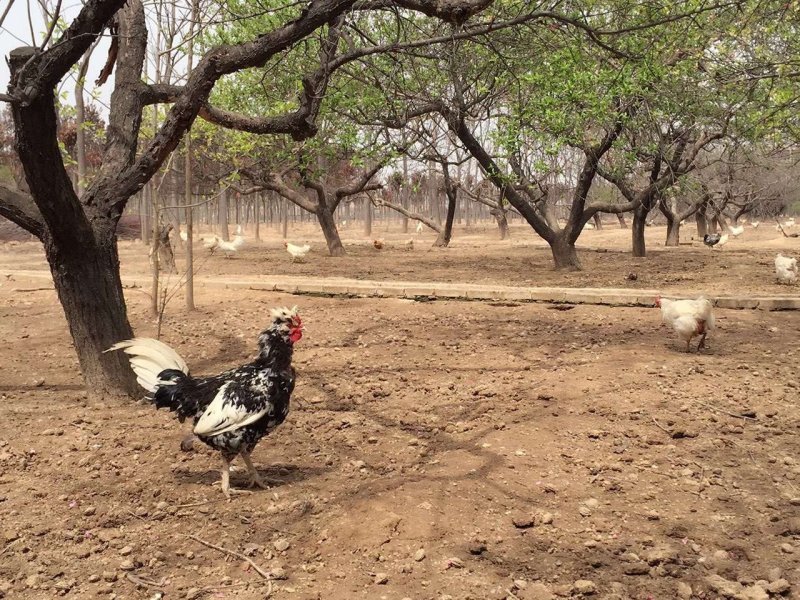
x=702 y=343
x=226 y=480
x=688 y=348
x=255 y=478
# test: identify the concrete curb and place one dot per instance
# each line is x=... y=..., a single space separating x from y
x=447 y=291
x=417 y=290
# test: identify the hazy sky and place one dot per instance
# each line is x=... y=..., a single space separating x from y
x=16 y=31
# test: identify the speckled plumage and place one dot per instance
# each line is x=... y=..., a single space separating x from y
x=231 y=411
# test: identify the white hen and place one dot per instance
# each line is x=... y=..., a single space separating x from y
x=689 y=318
x=755 y=224
x=786 y=269
x=230 y=247
x=297 y=252
x=736 y=231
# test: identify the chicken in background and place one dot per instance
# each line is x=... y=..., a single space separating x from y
x=755 y=224
x=377 y=244
x=689 y=318
x=211 y=243
x=297 y=252
x=420 y=228
x=786 y=269
x=231 y=411
x=184 y=236
x=715 y=239
x=736 y=231
x=409 y=244
x=231 y=247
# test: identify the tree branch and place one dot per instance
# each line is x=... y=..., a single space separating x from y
x=20 y=208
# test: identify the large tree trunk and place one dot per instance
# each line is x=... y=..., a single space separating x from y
x=637 y=232
x=564 y=254
x=328 y=225
x=87 y=280
x=673 y=232
x=81 y=252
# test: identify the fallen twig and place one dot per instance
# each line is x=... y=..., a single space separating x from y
x=8 y=546
x=196 y=504
x=144 y=582
x=661 y=427
x=725 y=412
x=258 y=569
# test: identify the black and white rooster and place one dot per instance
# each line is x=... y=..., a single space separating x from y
x=231 y=411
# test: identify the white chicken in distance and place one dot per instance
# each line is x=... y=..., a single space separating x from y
x=736 y=231
x=689 y=318
x=297 y=252
x=214 y=243
x=786 y=269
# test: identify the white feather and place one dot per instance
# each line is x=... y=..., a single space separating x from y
x=222 y=416
x=148 y=358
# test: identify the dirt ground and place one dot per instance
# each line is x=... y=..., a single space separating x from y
x=434 y=451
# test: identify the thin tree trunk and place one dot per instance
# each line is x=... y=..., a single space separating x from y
x=637 y=232
x=222 y=211
x=502 y=222
x=328 y=225
x=367 y=217
x=284 y=217
x=598 y=222
x=622 y=223
x=443 y=239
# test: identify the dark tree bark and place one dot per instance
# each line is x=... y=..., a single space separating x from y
x=673 y=232
x=451 y=190
x=637 y=231
x=329 y=230
x=564 y=254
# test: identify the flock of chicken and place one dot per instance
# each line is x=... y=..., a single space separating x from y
x=785 y=266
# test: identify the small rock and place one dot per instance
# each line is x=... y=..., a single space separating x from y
x=89 y=511
x=94 y=578
x=282 y=545
x=584 y=510
x=794 y=501
x=684 y=591
x=787 y=548
x=522 y=521
x=592 y=503
x=193 y=593
x=278 y=573
x=419 y=555
x=127 y=565
x=547 y=518
x=779 y=586
x=381 y=579
x=125 y=551
x=455 y=562
x=585 y=587
x=476 y=547
x=109 y=576
x=639 y=568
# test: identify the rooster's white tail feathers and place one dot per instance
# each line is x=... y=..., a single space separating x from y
x=148 y=358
